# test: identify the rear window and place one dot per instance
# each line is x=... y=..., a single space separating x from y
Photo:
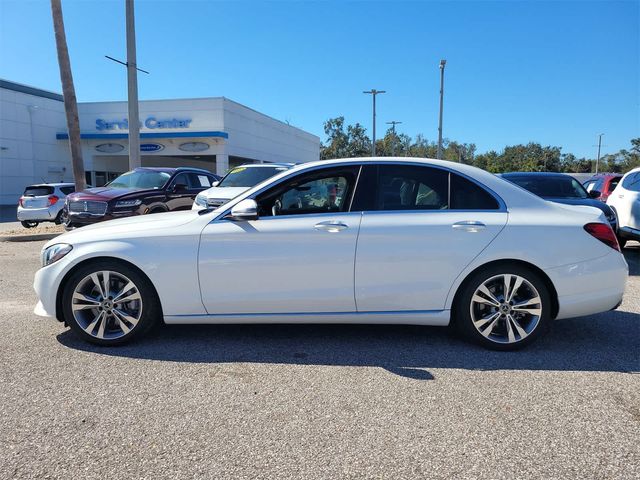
x=466 y=195
x=67 y=190
x=38 y=191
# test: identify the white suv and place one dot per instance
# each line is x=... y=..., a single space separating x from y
x=43 y=203
x=625 y=201
x=238 y=180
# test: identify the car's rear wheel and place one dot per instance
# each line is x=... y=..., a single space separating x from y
x=60 y=218
x=29 y=224
x=504 y=307
x=110 y=303
x=622 y=241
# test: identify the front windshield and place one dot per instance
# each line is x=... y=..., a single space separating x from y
x=141 y=179
x=248 y=176
x=551 y=187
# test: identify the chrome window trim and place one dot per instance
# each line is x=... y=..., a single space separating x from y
x=502 y=206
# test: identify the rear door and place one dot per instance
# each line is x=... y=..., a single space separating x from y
x=421 y=226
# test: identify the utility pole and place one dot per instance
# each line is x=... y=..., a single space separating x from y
x=393 y=124
x=373 y=92
x=442 y=64
x=132 y=89
x=599 y=145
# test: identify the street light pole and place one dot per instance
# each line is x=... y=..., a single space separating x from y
x=132 y=89
x=373 y=92
x=393 y=124
x=599 y=145
x=442 y=64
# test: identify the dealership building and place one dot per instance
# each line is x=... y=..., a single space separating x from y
x=211 y=133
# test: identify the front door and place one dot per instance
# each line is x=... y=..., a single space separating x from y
x=296 y=258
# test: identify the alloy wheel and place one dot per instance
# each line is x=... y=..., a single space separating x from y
x=506 y=308
x=106 y=305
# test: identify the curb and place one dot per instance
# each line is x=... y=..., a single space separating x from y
x=28 y=238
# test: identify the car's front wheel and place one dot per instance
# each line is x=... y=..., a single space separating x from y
x=504 y=307
x=109 y=303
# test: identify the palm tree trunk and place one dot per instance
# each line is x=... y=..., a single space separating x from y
x=69 y=95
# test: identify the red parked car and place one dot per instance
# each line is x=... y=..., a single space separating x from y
x=605 y=183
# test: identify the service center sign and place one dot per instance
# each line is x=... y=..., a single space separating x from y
x=151 y=122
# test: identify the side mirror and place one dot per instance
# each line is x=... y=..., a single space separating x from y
x=594 y=194
x=245 y=210
x=179 y=187
x=215 y=184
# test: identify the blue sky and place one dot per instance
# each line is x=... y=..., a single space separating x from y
x=558 y=73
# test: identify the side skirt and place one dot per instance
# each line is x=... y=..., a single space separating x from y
x=419 y=317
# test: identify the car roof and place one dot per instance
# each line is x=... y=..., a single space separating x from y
x=58 y=184
x=605 y=175
x=247 y=165
x=535 y=174
x=508 y=191
x=174 y=169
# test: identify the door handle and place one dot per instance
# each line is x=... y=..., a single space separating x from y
x=331 y=226
x=469 y=226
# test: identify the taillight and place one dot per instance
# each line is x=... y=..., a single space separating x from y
x=604 y=233
x=52 y=199
x=21 y=201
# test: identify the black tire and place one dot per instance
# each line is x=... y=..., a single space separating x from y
x=59 y=218
x=622 y=242
x=29 y=224
x=463 y=308
x=151 y=311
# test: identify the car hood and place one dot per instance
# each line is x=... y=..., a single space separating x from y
x=157 y=224
x=224 y=192
x=105 y=194
x=588 y=202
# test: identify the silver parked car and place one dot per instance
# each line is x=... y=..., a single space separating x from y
x=43 y=203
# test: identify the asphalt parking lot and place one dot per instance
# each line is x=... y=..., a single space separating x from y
x=315 y=401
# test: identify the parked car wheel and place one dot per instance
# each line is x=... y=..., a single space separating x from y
x=504 y=307
x=622 y=242
x=60 y=218
x=29 y=224
x=110 y=303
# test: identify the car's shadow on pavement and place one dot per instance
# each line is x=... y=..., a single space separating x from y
x=606 y=342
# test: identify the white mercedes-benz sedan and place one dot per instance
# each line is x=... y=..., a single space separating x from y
x=367 y=240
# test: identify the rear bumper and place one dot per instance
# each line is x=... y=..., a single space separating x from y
x=37 y=214
x=590 y=287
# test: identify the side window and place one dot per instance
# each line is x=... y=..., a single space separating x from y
x=594 y=185
x=318 y=192
x=613 y=184
x=408 y=187
x=466 y=195
x=198 y=181
x=180 y=179
x=632 y=182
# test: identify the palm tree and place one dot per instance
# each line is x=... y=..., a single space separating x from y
x=69 y=95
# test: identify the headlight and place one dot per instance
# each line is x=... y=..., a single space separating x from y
x=201 y=200
x=128 y=203
x=54 y=253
